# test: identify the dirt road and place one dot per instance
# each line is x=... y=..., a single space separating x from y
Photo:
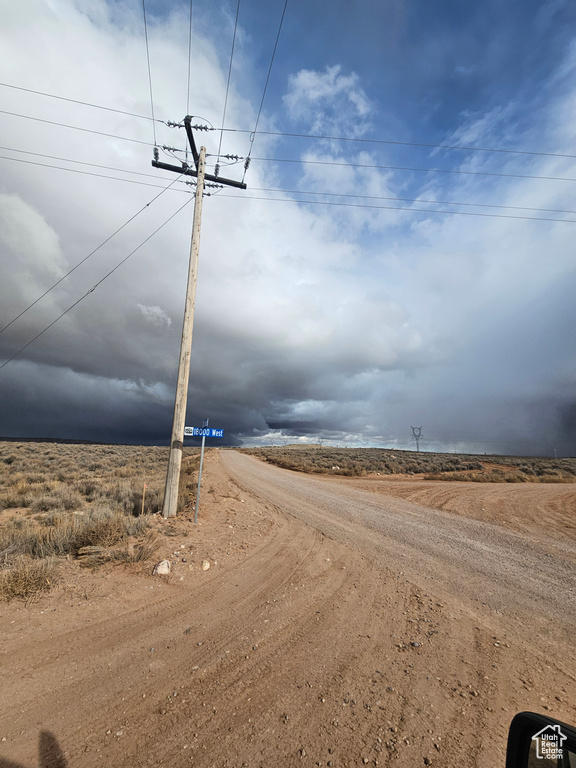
x=335 y=627
x=488 y=569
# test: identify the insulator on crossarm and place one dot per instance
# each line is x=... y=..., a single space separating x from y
x=156 y=154
x=247 y=164
x=217 y=169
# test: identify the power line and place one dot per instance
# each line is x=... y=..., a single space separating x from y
x=286 y=191
x=411 y=200
x=77 y=128
x=266 y=189
x=77 y=162
x=228 y=82
x=149 y=71
x=404 y=168
x=88 y=173
x=306 y=162
x=298 y=135
x=398 y=143
x=253 y=134
x=83 y=103
x=107 y=240
x=318 y=202
x=400 y=208
x=5 y=363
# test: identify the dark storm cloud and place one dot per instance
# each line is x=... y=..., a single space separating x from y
x=342 y=322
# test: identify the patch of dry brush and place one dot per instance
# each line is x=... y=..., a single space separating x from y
x=357 y=462
x=78 y=501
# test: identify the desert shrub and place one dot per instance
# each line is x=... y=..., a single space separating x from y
x=93 y=556
x=516 y=477
x=360 y=461
x=25 y=578
x=61 y=497
x=145 y=549
x=13 y=500
x=68 y=534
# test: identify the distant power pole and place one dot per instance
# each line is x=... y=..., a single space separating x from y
x=170 y=506
x=417 y=434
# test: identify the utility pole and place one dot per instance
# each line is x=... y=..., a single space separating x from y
x=170 y=506
x=179 y=421
x=417 y=434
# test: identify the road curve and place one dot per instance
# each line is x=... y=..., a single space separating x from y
x=487 y=569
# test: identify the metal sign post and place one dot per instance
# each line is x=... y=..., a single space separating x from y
x=203 y=432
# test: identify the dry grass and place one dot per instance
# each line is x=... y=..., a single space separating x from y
x=26 y=579
x=79 y=501
x=93 y=556
x=357 y=462
x=44 y=477
x=66 y=534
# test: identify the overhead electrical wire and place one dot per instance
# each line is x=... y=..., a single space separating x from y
x=89 y=173
x=149 y=70
x=83 y=103
x=400 y=199
x=396 y=143
x=253 y=133
x=107 y=275
x=228 y=81
x=78 y=162
x=85 y=259
x=412 y=200
x=77 y=128
x=399 y=208
x=298 y=135
x=406 y=168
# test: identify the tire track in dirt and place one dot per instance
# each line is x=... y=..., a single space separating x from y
x=538 y=510
x=91 y=652
x=503 y=571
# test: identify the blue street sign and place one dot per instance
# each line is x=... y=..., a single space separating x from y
x=203 y=432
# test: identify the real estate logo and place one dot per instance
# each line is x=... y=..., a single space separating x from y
x=549 y=743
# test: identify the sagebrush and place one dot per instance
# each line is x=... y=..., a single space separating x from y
x=357 y=462
x=91 y=502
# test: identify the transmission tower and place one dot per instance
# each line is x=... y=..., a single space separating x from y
x=416 y=435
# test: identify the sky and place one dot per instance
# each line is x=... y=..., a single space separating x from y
x=403 y=254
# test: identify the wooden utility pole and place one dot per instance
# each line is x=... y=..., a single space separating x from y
x=170 y=506
x=177 y=442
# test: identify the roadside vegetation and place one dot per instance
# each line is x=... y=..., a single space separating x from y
x=359 y=462
x=82 y=502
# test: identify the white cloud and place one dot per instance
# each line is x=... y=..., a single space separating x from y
x=328 y=101
x=156 y=315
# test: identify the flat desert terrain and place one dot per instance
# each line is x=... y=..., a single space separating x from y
x=342 y=622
